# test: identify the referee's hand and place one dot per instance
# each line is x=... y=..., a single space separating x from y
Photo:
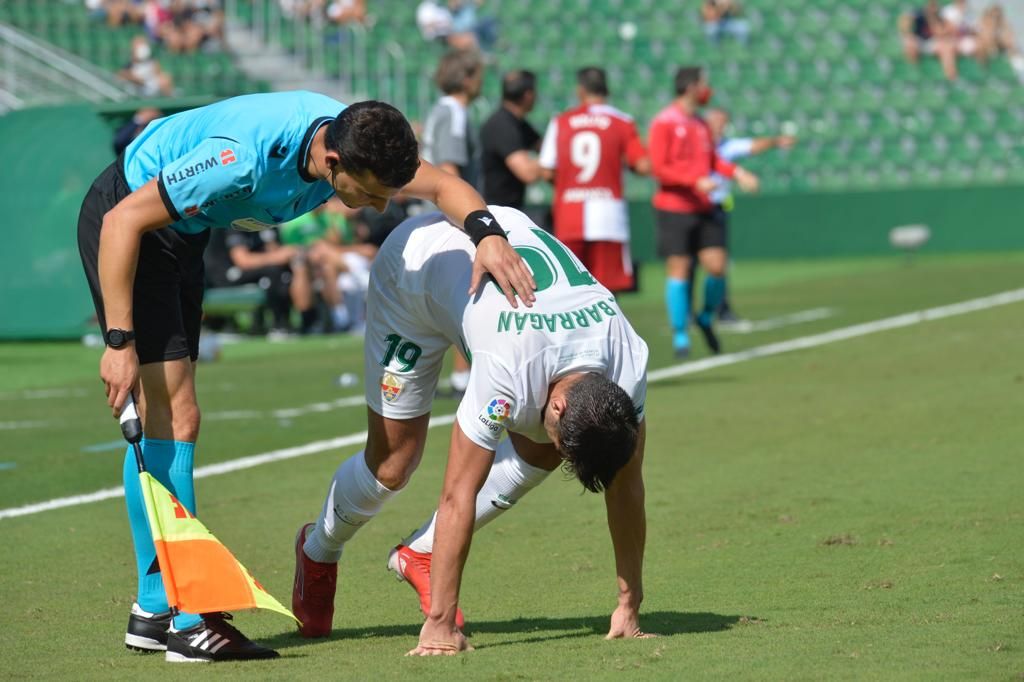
x=496 y=256
x=119 y=370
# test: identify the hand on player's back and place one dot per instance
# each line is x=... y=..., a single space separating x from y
x=496 y=256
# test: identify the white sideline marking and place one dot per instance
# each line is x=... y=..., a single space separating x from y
x=45 y=393
x=226 y=415
x=751 y=326
x=31 y=424
x=905 y=320
x=290 y=412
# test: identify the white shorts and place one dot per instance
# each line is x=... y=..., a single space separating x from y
x=406 y=338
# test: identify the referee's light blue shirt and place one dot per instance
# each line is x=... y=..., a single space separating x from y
x=238 y=163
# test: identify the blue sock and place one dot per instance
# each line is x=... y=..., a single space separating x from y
x=714 y=294
x=170 y=463
x=677 y=300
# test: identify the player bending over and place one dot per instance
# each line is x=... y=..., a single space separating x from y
x=567 y=380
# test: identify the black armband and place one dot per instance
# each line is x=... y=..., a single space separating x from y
x=480 y=224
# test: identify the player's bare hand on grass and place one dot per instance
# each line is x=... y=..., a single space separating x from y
x=496 y=256
x=626 y=625
x=119 y=370
x=440 y=639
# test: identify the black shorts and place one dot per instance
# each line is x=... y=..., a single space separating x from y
x=167 y=300
x=684 y=234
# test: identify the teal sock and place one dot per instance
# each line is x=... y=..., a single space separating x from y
x=677 y=301
x=714 y=294
x=183 y=487
x=161 y=461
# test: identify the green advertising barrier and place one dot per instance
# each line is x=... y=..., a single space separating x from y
x=51 y=156
x=824 y=225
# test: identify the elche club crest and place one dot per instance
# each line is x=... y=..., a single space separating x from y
x=390 y=388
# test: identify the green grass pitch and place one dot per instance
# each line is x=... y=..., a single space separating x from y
x=850 y=511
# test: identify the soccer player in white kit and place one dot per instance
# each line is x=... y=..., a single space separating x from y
x=566 y=379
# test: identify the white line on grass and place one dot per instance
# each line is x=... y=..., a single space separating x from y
x=802 y=343
x=751 y=326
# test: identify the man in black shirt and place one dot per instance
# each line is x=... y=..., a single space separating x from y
x=508 y=140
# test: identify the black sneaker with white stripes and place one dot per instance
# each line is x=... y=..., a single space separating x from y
x=147 y=631
x=213 y=639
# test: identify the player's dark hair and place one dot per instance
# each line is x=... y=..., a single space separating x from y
x=593 y=80
x=516 y=84
x=687 y=76
x=454 y=68
x=374 y=136
x=597 y=432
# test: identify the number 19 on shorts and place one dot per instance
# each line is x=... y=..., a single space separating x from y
x=406 y=352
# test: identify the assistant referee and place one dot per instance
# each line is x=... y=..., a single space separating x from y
x=247 y=163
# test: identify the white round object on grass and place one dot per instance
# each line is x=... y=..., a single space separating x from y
x=627 y=30
x=909 y=237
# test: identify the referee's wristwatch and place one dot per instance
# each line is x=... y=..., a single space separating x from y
x=118 y=338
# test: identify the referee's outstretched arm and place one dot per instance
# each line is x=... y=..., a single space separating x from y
x=123 y=226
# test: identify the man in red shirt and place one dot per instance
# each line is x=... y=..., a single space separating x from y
x=583 y=154
x=683 y=158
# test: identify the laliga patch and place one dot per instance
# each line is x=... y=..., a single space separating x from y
x=495 y=414
x=390 y=387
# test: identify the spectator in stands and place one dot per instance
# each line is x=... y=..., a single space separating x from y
x=145 y=72
x=237 y=257
x=731 y=149
x=683 y=159
x=466 y=21
x=509 y=143
x=434 y=21
x=449 y=141
x=124 y=135
x=724 y=17
x=343 y=12
x=116 y=12
x=925 y=31
x=454 y=25
x=584 y=153
x=995 y=36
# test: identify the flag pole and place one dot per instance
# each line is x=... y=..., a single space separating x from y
x=131 y=429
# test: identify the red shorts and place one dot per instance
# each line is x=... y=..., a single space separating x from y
x=610 y=262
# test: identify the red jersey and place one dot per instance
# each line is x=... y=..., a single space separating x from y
x=682 y=152
x=587 y=147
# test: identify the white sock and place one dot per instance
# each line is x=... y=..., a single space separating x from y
x=460 y=380
x=509 y=479
x=354 y=498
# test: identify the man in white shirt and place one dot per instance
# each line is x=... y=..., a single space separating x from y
x=567 y=380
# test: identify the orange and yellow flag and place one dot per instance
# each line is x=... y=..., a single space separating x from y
x=200 y=574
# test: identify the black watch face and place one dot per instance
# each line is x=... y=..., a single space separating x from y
x=115 y=338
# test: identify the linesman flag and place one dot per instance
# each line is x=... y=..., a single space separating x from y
x=200 y=574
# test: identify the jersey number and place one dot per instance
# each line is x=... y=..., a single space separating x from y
x=545 y=272
x=586 y=154
x=407 y=353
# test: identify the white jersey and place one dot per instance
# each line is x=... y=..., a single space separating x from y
x=418 y=305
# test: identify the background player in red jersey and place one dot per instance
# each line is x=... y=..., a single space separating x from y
x=683 y=160
x=583 y=153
